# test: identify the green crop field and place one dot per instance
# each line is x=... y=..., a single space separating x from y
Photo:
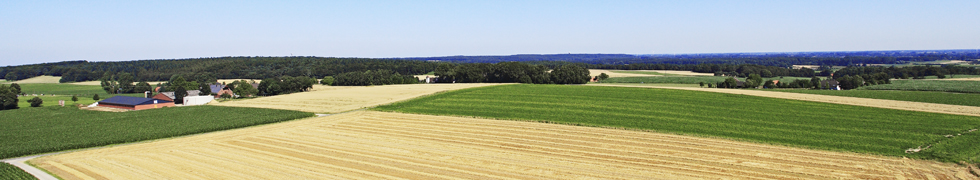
x=684 y=79
x=965 y=99
x=11 y=172
x=643 y=72
x=28 y=130
x=928 y=85
x=758 y=119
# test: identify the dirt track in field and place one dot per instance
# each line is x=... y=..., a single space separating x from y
x=381 y=145
x=334 y=99
x=878 y=103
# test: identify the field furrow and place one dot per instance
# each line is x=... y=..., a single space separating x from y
x=383 y=145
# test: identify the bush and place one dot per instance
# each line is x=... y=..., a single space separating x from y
x=35 y=102
x=327 y=80
x=96 y=97
x=74 y=98
x=225 y=96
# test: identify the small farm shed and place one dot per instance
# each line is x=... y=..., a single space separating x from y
x=134 y=103
x=197 y=100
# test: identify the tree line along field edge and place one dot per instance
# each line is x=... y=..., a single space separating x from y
x=748 y=118
x=28 y=131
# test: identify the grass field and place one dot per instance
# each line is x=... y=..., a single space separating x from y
x=11 y=172
x=965 y=99
x=53 y=100
x=644 y=72
x=62 y=89
x=48 y=129
x=758 y=119
x=683 y=79
x=928 y=85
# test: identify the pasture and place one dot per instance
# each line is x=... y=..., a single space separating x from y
x=750 y=118
x=928 y=85
x=62 y=89
x=965 y=99
x=29 y=130
x=381 y=145
x=53 y=100
x=686 y=79
x=335 y=99
x=11 y=172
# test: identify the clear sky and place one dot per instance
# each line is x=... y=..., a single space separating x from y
x=50 y=31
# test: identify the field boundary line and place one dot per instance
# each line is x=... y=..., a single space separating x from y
x=856 y=101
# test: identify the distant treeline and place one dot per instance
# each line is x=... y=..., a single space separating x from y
x=766 y=59
x=219 y=67
x=376 y=77
x=511 y=72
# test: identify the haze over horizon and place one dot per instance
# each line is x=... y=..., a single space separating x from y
x=52 y=31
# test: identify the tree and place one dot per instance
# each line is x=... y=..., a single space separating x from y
x=35 y=102
x=205 y=90
x=769 y=84
x=603 y=76
x=766 y=73
x=570 y=74
x=701 y=83
x=109 y=84
x=709 y=85
x=8 y=99
x=753 y=81
x=125 y=81
x=243 y=88
x=327 y=80
x=11 y=76
x=74 y=98
x=15 y=88
x=96 y=97
x=142 y=87
x=225 y=96
x=815 y=82
x=179 y=94
x=729 y=83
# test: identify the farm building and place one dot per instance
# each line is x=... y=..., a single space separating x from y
x=830 y=84
x=197 y=100
x=169 y=96
x=134 y=103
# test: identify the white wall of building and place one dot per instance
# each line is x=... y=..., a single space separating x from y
x=197 y=100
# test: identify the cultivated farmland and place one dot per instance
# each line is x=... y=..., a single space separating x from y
x=759 y=119
x=928 y=85
x=48 y=129
x=334 y=99
x=965 y=99
x=379 y=145
x=11 y=172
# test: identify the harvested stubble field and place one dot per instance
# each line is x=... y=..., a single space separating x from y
x=334 y=99
x=751 y=118
x=381 y=145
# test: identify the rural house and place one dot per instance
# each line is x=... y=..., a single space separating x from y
x=134 y=103
x=830 y=84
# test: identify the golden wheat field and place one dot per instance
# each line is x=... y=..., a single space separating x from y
x=38 y=79
x=334 y=99
x=383 y=145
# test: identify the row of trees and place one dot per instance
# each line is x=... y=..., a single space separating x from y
x=908 y=72
x=285 y=85
x=375 y=77
x=511 y=72
x=8 y=96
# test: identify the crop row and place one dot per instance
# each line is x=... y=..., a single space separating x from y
x=53 y=128
x=751 y=118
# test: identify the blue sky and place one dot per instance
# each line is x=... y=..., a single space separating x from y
x=50 y=31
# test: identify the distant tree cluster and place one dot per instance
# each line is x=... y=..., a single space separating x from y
x=511 y=72
x=243 y=88
x=8 y=96
x=375 y=77
x=285 y=85
x=909 y=72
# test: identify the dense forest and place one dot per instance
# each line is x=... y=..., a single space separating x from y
x=220 y=67
x=737 y=64
x=767 y=59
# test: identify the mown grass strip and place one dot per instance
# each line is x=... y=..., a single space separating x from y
x=11 y=172
x=929 y=85
x=965 y=99
x=29 y=130
x=760 y=119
